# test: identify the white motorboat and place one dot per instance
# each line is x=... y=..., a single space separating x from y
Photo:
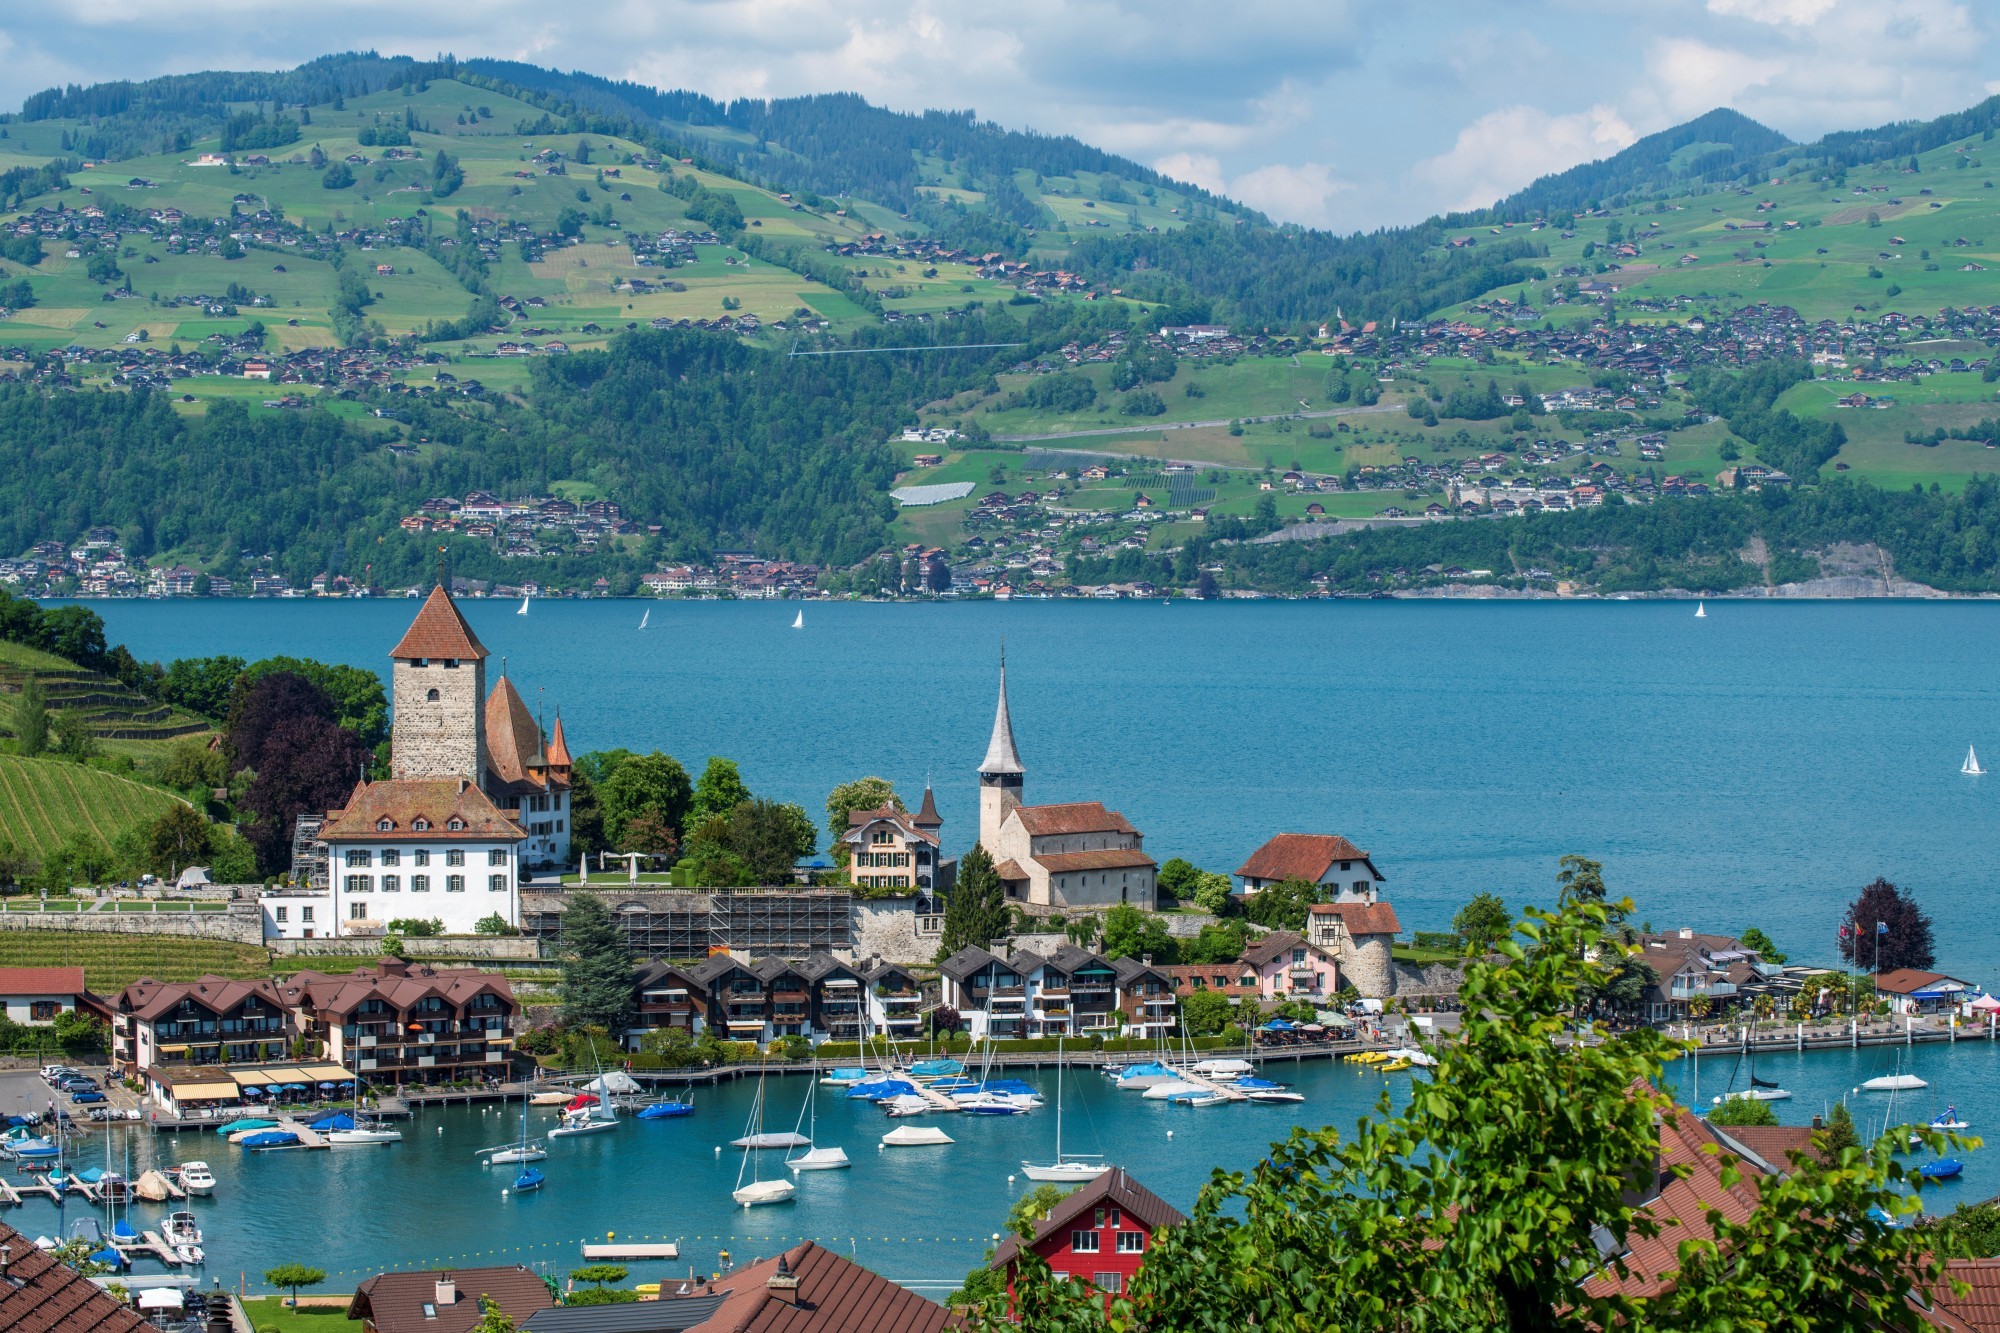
x=757 y=1191
x=1161 y=1092
x=1757 y=1095
x=196 y=1178
x=181 y=1228
x=771 y=1140
x=905 y=1104
x=1197 y=1097
x=1422 y=1059
x=363 y=1135
x=1893 y=1083
x=915 y=1136
x=1274 y=1095
x=1222 y=1069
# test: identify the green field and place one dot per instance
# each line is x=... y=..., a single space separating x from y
x=271 y=1314
x=44 y=802
x=110 y=962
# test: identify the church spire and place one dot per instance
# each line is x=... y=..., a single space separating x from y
x=1001 y=757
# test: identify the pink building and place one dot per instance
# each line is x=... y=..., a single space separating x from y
x=1287 y=966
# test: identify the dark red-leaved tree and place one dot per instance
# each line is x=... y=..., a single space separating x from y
x=1906 y=942
x=280 y=697
x=304 y=764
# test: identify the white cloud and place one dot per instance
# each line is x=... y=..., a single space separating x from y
x=1291 y=193
x=1505 y=149
x=1203 y=169
x=1798 y=13
x=1693 y=77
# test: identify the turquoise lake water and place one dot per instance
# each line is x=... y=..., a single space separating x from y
x=1756 y=767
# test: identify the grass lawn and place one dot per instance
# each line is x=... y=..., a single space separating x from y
x=270 y=1314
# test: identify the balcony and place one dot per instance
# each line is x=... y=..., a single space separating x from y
x=790 y=995
x=1055 y=992
x=426 y=1061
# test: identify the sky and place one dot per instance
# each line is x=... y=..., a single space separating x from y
x=1335 y=113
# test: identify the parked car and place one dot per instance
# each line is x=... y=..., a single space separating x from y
x=79 y=1085
x=56 y=1073
x=87 y=1097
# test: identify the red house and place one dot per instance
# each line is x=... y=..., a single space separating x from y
x=1099 y=1234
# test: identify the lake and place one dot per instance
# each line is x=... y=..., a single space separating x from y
x=1755 y=767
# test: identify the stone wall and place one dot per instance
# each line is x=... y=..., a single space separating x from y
x=243 y=923
x=887 y=928
x=1433 y=979
x=442 y=737
x=481 y=948
x=1368 y=967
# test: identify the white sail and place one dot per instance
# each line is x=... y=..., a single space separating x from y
x=1971 y=766
x=799 y=620
x=1701 y=610
x=645 y=616
x=524 y=605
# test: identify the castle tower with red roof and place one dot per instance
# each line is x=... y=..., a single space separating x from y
x=438 y=690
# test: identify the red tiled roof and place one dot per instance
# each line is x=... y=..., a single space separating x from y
x=41 y=981
x=1978 y=1310
x=859 y=820
x=149 y=999
x=1306 y=856
x=1010 y=869
x=513 y=741
x=41 y=1295
x=1905 y=980
x=1116 y=1188
x=1361 y=918
x=340 y=994
x=559 y=746
x=1079 y=817
x=403 y=801
x=1113 y=858
x=834 y=1295
x=394 y=1302
x=439 y=631
x=1681 y=1208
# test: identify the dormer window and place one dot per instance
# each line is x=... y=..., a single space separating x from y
x=422 y=825
x=456 y=825
x=384 y=825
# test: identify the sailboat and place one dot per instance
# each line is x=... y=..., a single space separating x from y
x=522 y=1150
x=645 y=616
x=799 y=620
x=1760 y=1090
x=815 y=1158
x=594 y=1117
x=524 y=605
x=1700 y=610
x=1971 y=766
x=1073 y=1169
x=529 y=1180
x=758 y=1190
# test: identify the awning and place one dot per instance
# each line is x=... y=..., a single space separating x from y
x=173 y=1050
x=200 y=1091
x=319 y=1072
x=253 y=1078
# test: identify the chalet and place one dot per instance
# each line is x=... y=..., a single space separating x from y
x=1287 y=966
x=1317 y=858
x=1100 y=1234
x=989 y=992
x=446 y=1300
x=1689 y=967
x=1145 y=997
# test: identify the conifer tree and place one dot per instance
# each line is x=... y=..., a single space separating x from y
x=597 y=974
x=976 y=912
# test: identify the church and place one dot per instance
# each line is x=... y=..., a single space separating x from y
x=1054 y=858
x=477 y=795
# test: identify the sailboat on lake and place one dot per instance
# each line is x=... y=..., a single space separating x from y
x=1077 y=1167
x=1701 y=610
x=645 y=616
x=799 y=620
x=523 y=1149
x=758 y=1190
x=524 y=605
x=815 y=1158
x=1971 y=766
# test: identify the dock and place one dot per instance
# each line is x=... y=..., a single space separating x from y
x=666 y=1249
x=1227 y=1092
x=938 y=1101
x=151 y=1245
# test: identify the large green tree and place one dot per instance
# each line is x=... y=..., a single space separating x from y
x=1495 y=1196
x=597 y=979
x=860 y=794
x=31 y=718
x=1483 y=922
x=976 y=912
x=649 y=782
x=1284 y=905
x=720 y=790
x=1131 y=933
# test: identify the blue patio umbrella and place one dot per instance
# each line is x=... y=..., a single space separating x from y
x=252 y=1090
x=1278 y=1025
x=326 y=1087
x=295 y=1087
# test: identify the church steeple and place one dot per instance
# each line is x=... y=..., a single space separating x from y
x=1001 y=757
x=1000 y=773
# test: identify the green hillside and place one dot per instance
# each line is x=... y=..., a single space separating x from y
x=121 y=721
x=46 y=802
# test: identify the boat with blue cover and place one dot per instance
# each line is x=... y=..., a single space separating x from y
x=271 y=1138
x=529 y=1179
x=881 y=1089
x=929 y=1069
x=238 y=1126
x=844 y=1076
x=1944 y=1168
x=670 y=1109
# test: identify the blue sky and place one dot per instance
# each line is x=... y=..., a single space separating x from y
x=1334 y=113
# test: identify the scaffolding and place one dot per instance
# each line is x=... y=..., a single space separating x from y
x=309 y=857
x=683 y=923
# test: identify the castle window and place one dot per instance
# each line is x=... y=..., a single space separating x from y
x=384 y=825
x=456 y=825
x=422 y=855
x=392 y=883
x=496 y=857
x=496 y=883
x=455 y=857
x=422 y=825
x=390 y=856
x=357 y=858
x=451 y=664
x=357 y=884
x=454 y=884
x=420 y=661
x=430 y=696
x=420 y=884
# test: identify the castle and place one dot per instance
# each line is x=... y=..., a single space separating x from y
x=476 y=795
x=1056 y=857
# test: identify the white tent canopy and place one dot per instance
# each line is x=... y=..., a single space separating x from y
x=1985 y=1004
x=616 y=1083
x=194 y=877
x=161 y=1299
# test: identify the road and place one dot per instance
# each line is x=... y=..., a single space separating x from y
x=1197 y=425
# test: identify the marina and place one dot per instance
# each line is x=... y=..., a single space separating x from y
x=659 y=1191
